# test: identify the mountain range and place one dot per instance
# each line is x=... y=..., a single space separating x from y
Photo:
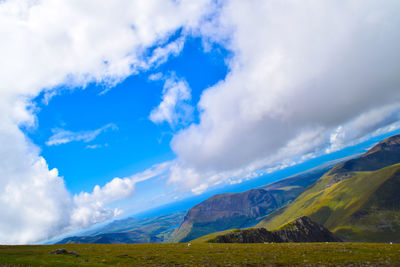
x=239 y=210
x=356 y=200
x=132 y=230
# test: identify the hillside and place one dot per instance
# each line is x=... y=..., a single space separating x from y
x=385 y=153
x=132 y=230
x=356 y=205
x=239 y=210
x=302 y=229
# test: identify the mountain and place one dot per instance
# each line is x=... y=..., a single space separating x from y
x=132 y=230
x=357 y=200
x=385 y=153
x=239 y=210
x=302 y=229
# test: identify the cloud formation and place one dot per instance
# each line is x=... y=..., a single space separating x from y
x=174 y=107
x=51 y=43
x=90 y=208
x=61 y=136
x=306 y=78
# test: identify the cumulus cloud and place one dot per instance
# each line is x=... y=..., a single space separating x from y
x=306 y=78
x=61 y=136
x=371 y=123
x=50 y=43
x=174 y=107
x=91 y=207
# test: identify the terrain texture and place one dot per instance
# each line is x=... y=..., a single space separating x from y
x=205 y=254
x=358 y=200
x=239 y=210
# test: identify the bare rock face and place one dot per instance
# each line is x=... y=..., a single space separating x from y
x=302 y=229
x=249 y=204
x=227 y=211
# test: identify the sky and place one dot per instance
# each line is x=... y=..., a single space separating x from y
x=115 y=107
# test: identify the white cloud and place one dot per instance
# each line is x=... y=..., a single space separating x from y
x=305 y=78
x=49 y=43
x=162 y=53
x=374 y=122
x=96 y=146
x=91 y=207
x=61 y=136
x=156 y=76
x=34 y=201
x=174 y=107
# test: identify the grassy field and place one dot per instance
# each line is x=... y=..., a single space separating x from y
x=310 y=254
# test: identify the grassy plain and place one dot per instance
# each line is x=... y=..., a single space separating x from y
x=201 y=254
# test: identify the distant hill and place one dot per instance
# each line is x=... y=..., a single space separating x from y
x=302 y=229
x=132 y=230
x=359 y=200
x=239 y=210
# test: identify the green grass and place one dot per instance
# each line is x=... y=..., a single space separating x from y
x=300 y=254
x=333 y=204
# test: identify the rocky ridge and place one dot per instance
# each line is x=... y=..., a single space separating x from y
x=302 y=229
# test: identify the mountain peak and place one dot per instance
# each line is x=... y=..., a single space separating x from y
x=383 y=154
x=389 y=144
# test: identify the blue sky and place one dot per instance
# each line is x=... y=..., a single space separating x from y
x=113 y=108
x=136 y=143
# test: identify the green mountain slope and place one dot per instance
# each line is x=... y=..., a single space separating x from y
x=239 y=210
x=356 y=205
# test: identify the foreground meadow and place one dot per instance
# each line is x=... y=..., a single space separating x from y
x=310 y=254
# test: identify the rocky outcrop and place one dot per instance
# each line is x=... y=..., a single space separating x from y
x=302 y=229
x=63 y=251
x=255 y=235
